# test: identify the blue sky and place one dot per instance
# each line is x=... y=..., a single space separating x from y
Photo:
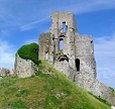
x=22 y=21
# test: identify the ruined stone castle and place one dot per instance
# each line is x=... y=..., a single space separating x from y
x=72 y=54
x=69 y=52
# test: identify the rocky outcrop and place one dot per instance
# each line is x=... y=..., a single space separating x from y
x=24 y=68
x=6 y=72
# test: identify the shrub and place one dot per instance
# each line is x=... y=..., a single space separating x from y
x=29 y=51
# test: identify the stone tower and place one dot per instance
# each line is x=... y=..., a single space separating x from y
x=71 y=53
x=67 y=51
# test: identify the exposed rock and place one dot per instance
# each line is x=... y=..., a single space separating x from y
x=112 y=107
x=24 y=68
x=75 y=57
x=6 y=72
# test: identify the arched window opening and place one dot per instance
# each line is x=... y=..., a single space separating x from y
x=77 y=64
x=61 y=36
x=65 y=61
x=91 y=41
x=63 y=58
x=61 y=44
x=64 y=26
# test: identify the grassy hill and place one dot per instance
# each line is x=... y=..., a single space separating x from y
x=48 y=89
x=45 y=91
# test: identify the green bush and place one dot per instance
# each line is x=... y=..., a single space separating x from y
x=29 y=51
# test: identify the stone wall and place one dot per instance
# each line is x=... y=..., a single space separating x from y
x=6 y=72
x=24 y=68
x=101 y=90
x=44 y=44
x=85 y=52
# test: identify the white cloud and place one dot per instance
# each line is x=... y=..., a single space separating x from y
x=105 y=58
x=30 y=41
x=6 y=55
x=30 y=25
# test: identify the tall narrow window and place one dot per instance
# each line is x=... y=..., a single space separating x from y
x=64 y=27
x=77 y=63
x=46 y=56
x=61 y=44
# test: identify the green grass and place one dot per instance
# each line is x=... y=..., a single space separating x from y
x=29 y=51
x=45 y=91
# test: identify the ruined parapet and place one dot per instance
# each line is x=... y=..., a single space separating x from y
x=24 y=68
x=44 y=46
x=6 y=72
x=101 y=90
x=62 y=22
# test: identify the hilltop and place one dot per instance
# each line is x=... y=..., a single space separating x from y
x=47 y=89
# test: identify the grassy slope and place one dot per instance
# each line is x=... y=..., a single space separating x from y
x=45 y=91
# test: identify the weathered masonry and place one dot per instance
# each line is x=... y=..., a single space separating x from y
x=72 y=54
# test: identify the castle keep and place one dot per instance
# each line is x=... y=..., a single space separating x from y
x=72 y=54
x=68 y=51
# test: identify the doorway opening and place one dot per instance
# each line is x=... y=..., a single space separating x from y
x=77 y=64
